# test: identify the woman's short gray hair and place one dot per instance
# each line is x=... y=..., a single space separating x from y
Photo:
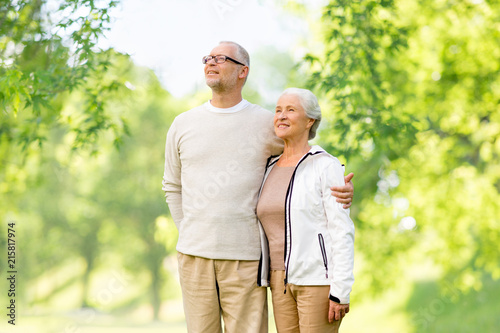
x=310 y=104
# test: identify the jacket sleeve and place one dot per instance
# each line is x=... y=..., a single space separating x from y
x=172 y=176
x=341 y=230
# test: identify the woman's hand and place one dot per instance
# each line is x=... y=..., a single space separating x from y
x=344 y=194
x=337 y=311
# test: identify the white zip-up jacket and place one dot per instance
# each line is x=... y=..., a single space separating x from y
x=319 y=234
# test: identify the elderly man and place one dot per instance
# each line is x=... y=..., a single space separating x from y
x=215 y=158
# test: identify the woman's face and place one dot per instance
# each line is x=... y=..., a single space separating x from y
x=290 y=119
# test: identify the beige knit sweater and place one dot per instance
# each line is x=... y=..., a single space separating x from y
x=214 y=164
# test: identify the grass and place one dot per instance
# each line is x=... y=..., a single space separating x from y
x=449 y=310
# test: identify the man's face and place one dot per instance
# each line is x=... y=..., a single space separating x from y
x=222 y=77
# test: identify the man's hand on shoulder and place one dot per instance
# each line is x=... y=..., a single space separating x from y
x=344 y=194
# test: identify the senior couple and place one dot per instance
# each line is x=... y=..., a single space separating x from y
x=255 y=206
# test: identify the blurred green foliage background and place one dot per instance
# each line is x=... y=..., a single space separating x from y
x=410 y=92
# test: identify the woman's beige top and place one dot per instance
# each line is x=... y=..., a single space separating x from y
x=271 y=213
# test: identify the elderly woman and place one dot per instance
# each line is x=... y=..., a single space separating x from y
x=307 y=237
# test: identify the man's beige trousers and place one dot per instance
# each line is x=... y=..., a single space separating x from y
x=227 y=288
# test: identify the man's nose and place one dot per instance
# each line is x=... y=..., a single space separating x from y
x=211 y=62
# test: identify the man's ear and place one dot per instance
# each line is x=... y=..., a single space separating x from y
x=243 y=72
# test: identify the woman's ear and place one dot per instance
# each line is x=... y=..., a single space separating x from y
x=310 y=123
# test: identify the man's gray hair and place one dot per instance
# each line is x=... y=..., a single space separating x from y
x=242 y=54
x=310 y=104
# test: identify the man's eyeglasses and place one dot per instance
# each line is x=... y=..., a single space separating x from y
x=220 y=59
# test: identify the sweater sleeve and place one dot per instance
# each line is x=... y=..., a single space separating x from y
x=341 y=230
x=172 y=176
x=277 y=145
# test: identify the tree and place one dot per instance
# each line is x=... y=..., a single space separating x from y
x=44 y=56
x=411 y=95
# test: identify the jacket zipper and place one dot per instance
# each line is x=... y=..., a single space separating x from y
x=323 y=252
x=288 y=222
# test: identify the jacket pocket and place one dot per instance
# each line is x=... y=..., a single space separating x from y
x=323 y=253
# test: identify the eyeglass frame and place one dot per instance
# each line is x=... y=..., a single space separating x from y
x=204 y=60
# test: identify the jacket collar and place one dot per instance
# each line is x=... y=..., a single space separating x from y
x=314 y=150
